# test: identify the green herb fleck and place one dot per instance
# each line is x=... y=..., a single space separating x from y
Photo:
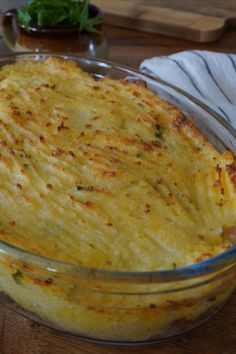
x=51 y=13
x=154 y=186
x=140 y=104
x=17 y=276
x=91 y=245
x=26 y=165
x=174 y=265
x=158 y=132
x=79 y=188
x=140 y=154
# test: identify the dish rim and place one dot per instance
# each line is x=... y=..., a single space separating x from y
x=222 y=261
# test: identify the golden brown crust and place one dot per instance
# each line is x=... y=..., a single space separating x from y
x=109 y=158
x=231 y=169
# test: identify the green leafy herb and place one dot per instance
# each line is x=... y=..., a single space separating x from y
x=24 y=17
x=51 y=13
x=174 y=265
x=17 y=276
x=158 y=132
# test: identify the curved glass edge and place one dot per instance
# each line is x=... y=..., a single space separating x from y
x=214 y=264
x=217 y=263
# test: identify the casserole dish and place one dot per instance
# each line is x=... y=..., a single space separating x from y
x=121 y=306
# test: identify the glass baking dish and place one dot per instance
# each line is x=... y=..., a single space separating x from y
x=114 y=306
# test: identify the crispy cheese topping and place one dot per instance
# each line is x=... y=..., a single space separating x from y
x=106 y=174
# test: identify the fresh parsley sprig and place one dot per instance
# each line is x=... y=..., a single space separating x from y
x=51 y=13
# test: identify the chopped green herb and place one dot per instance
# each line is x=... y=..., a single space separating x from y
x=158 y=132
x=154 y=186
x=26 y=165
x=51 y=13
x=17 y=276
x=174 y=265
x=79 y=188
x=91 y=245
x=140 y=104
x=140 y=154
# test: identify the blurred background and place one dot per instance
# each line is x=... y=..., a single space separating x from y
x=9 y=4
x=138 y=29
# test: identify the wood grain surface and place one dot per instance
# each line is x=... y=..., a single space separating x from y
x=214 y=7
x=217 y=336
x=130 y=47
x=199 y=21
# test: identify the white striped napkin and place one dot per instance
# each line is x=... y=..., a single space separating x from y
x=209 y=76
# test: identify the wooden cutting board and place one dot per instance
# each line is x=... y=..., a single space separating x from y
x=196 y=20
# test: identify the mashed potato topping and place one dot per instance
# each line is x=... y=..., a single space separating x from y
x=106 y=174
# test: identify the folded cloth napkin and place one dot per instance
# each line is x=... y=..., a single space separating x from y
x=208 y=76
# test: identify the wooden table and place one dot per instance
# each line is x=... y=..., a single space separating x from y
x=218 y=336
x=130 y=47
